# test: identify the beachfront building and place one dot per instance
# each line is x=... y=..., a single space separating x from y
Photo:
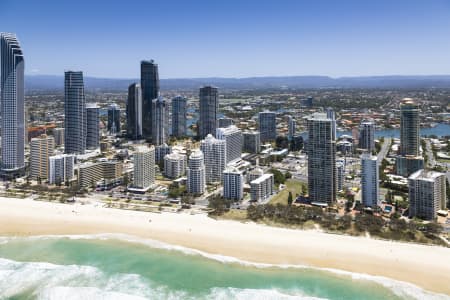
x=92 y=126
x=74 y=113
x=321 y=159
x=215 y=158
x=251 y=141
x=209 y=110
x=370 y=180
x=144 y=168
x=196 y=181
x=114 y=119
x=134 y=112
x=233 y=140
x=41 y=148
x=367 y=135
x=160 y=121
x=261 y=188
x=267 y=126
x=89 y=174
x=179 y=116
x=61 y=168
x=174 y=165
x=150 y=91
x=233 y=184
x=12 y=106
x=427 y=194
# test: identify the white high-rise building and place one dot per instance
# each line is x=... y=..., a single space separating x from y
x=261 y=188
x=12 y=104
x=41 y=148
x=61 y=168
x=144 y=167
x=160 y=121
x=340 y=175
x=174 y=165
x=233 y=138
x=291 y=127
x=215 y=156
x=196 y=181
x=332 y=116
x=427 y=194
x=233 y=184
x=370 y=180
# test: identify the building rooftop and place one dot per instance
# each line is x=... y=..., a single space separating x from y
x=426 y=175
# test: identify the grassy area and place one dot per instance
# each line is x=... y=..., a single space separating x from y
x=293 y=186
x=235 y=214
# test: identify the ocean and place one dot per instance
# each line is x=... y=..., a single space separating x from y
x=122 y=267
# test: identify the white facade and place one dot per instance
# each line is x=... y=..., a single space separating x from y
x=196 y=181
x=160 y=121
x=340 y=174
x=370 y=180
x=261 y=188
x=291 y=127
x=41 y=148
x=61 y=168
x=233 y=137
x=233 y=184
x=427 y=194
x=174 y=165
x=215 y=155
x=144 y=167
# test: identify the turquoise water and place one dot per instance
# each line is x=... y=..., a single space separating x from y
x=96 y=267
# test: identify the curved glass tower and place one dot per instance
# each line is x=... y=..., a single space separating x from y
x=75 y=113
x=12 y=105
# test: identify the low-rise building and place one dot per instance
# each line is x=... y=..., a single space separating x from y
x=261 y=188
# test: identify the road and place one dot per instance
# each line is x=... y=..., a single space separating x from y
x=384 y=149
x=429 y=153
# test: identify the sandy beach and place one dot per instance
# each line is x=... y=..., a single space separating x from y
x=425 y=266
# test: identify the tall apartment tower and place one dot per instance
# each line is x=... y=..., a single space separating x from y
x=61 y=168
x=321 y=159
x=267 y=126
x=114 y=118
x=251 y=141
x=332 y=116
x=134 y=112
x=12 y=105
x=196 y=173
x=427 y=194
x=150 y=91
x=367 y=135
x=160 y=121
x=233 y=184
x=215 y=158
x=174 y=165
x=409 y=127
x=144 y=167
x=370 y=180
x=92 y=126
x=234 y=141
x=179 y=116
x=291 y=127
x=75 y=113
x=41 y=148
x=209 y=109
x=58 y=135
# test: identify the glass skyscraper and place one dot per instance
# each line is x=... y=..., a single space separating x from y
x=114 y=118
x=12 y=105
x=134 y=112
x=75 y=113
x=209 y=109
x=150 y=91
x=160 y=119
x=179 y=116
x=92 y=126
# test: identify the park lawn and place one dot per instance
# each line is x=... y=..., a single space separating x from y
x=235 y=214
x=293 y=186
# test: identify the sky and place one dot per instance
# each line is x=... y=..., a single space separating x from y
x=232 y=38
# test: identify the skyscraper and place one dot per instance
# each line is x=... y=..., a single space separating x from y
x=196 y=173
x=174 y=165
x=12 y=105
x=144 y=167
x=209 y=109
x=75 y=113
x=427 y=194
x=134 y=112
x=332 y=116
x=114 y=118
x=92 y=126
x=41 y=148
x=409 y=127
x=179 y=116
x=225 y=122
x=234 y=141
x=367 y=135
x=321 y=159
x=150 y=91
x=160 y=121
x=215 y=158
x=251 y=141
x=291 y=127
x=267 y=126
x=369 y=180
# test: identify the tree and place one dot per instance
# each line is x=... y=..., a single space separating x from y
x=290 y=198
x=279 y=178
x=219 y=205
x=288 y=175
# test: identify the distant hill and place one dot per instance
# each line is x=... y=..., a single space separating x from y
x=50 y=82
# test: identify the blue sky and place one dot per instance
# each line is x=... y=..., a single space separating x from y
x=232 y=38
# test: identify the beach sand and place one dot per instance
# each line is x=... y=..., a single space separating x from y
x=424 y=266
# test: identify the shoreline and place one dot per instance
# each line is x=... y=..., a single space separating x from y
x=249 y=242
